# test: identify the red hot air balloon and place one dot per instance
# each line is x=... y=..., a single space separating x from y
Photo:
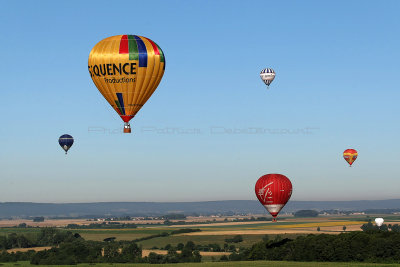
x=273 y=191
x=350 y=155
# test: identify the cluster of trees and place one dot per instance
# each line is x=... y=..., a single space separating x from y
x=22 y=225
x=371 y=246
x=18 y=256
x=370 y=227
x=68 y=248
x=168 y=222
x=38 y=219
x=306 y=213
x=235 y=239
x=174 y=216
x=207 y=247
x=81 y=251
x=188 y=253
x=335 y=212
x=46 y=237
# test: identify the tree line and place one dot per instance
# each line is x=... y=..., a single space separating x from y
x=373 y=244
x=69 y=248
x=81 y=251
x=188 y=253
x=213 y=247
x=53 y=237
x=46 y=237
x=103 y=225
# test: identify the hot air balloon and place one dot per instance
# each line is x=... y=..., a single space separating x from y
x=350 y=155
x=267 y=76
x=66 y=142
x=127 y=70
x=273 y=191
x=379 y=221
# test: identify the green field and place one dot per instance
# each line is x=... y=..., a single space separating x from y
x=119 y=234
x=310 y=224
x=135 y=233
x=159 y=242
x=206 y=237
x=131 y=234
x=223 y=264
x=97 y=234
x=9 y=230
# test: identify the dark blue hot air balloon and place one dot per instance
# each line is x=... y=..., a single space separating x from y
x=66 y=142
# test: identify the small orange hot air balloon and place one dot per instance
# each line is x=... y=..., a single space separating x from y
x=350 y=155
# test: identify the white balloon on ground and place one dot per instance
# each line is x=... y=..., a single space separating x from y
x=379 y=221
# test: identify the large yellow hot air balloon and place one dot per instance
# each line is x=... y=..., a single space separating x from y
x=127 y=70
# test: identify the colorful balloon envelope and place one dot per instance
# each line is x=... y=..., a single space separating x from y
x=66 y=141
x=350 y=155
x=127 y=70
x=267 y=76
x=273 y=191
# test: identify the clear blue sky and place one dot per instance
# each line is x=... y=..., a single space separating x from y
x=337 y=66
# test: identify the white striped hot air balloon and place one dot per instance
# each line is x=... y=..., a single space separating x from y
x=267 y=76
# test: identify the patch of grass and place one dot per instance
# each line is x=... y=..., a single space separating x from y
x=321 y=224
x=9 y=230
x=251 y=225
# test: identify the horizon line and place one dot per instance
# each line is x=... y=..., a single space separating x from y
x=205 y=201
